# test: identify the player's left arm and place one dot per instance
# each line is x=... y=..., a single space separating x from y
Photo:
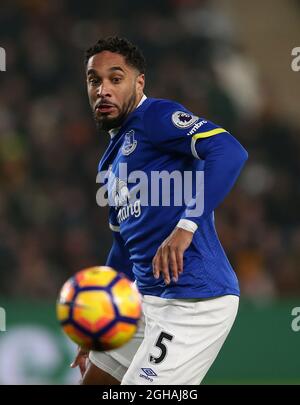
x=224 y=158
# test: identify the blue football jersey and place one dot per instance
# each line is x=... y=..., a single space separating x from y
x=162 y=136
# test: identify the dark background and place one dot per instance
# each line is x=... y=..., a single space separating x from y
x=225 y=62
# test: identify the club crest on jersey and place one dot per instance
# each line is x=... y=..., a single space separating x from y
x=183 y=119
x=129 y=144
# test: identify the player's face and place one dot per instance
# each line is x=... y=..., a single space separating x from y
x=114 y=88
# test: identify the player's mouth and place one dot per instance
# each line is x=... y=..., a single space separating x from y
x=104 y=108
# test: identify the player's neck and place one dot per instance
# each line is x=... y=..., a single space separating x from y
x=112 y=132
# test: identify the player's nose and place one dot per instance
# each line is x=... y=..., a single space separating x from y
x=103 y=90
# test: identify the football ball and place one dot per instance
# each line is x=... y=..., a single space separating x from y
x=99 y=308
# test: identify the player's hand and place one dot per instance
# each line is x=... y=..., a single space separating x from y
x=168 y=260
x=80 y=360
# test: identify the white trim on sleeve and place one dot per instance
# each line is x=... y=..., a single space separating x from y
x=193 y=148
x=188 y=225
x=114 y=227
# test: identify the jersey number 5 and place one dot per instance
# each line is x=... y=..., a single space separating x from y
x=159 y=343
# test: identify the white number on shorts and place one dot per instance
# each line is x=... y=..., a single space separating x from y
x=159 y=343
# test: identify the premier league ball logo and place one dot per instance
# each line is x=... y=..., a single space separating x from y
x=182 y=119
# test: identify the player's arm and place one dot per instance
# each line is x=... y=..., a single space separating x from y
x=224 y=158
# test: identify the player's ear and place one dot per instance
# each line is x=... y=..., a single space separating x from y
x=140 y=82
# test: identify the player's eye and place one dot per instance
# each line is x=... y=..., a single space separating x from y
x=93 y=81
x=116 y=80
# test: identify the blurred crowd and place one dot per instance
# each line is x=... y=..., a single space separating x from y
x=50 y=224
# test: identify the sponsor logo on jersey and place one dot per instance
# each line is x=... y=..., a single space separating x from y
x=120 y=198
x=120 y=192
x=183 y=119
x=148 y=373
x=129 y=144
x=196 y=127
x=132 y=209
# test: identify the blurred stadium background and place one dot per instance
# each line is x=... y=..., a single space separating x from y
x=227 y=60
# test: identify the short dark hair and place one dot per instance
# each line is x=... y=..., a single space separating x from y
x=132 y=54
